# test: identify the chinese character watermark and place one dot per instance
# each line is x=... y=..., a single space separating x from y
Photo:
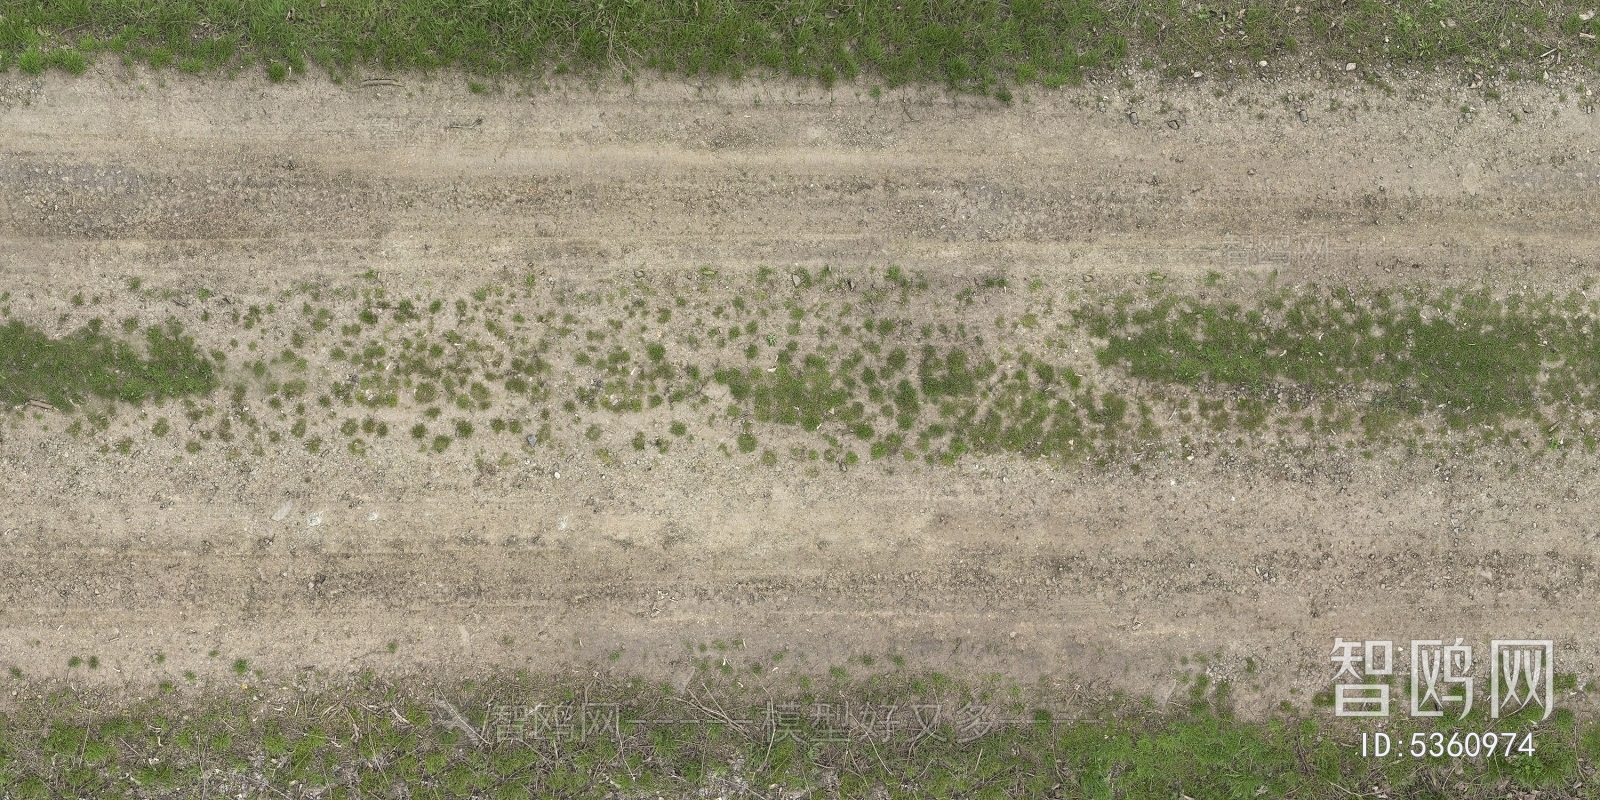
x=1283 y=251
x=809 y=723
x=1521 y=676
x=560 y=722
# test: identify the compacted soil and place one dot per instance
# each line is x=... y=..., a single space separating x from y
x=579 y=546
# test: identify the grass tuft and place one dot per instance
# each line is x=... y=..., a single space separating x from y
x=67 y=371
x=1470 y=356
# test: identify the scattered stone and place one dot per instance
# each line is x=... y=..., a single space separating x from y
x=638 y=273
x=1133 y=118
x=532 y=440
x=1302 y=115
x=680 y=683
x=1350 y=67
x=796 y=280
x=1174 y=124
x=283 y=511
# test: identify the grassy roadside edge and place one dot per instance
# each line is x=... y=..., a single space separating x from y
x=365 y=736
x=987 y=47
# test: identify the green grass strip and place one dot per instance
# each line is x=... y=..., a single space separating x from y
x=87 y=363
x=962 y=43
x=1467 y=355
x=477 y=740
x=978 y=45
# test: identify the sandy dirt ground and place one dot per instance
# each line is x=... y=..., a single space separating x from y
x=1091 y=579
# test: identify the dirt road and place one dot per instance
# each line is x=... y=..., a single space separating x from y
x=549 y=559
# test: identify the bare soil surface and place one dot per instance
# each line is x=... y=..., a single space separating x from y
x=549 y=559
